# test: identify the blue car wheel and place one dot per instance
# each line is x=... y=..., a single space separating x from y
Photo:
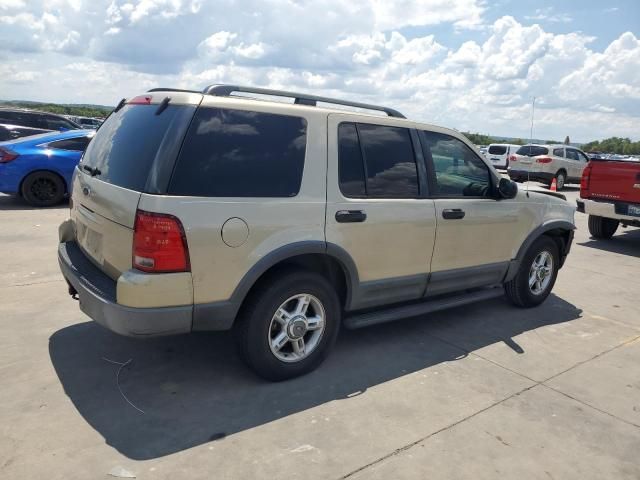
x=43 y=189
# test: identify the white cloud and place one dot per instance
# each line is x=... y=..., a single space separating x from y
x=374 y=51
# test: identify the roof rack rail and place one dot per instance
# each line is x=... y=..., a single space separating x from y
x=160 y=89
x=300 y=98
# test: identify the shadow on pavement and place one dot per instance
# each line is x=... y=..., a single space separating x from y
x=625 y=242
x=14 y=202
x=193 y=388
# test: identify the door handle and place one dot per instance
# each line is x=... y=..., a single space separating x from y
x=350 y=216
x=453 y=213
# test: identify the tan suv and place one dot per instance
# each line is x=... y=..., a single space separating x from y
x=198 y=211
x=543 y=163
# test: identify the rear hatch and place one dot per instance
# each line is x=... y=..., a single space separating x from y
x=526 y=156
x=133 y=152
x=617 y=180
x=497 y=154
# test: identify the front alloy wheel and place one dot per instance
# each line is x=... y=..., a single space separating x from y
x=540 y=272
x=536 y=275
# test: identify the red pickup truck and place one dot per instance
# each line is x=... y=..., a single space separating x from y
x=610 y=195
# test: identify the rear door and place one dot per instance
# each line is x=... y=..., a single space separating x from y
x=133 y=152
x=497 y=155
x=377 y=208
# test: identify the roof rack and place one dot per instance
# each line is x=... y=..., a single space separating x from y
x=300 y=98
x=161 y=89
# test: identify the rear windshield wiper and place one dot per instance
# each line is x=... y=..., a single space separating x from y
x=163 y=105
x=93 y=171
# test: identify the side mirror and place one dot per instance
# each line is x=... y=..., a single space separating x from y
x=507 y=188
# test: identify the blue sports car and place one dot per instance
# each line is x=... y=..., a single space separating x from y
x=40 y=167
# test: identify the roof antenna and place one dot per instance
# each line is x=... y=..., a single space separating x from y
x=533 y=109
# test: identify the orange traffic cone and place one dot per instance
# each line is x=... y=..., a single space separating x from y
x=554 y=186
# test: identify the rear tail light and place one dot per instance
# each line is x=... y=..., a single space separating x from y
x=543 y=160
x=585 y=181
x=7 y=155
x=159 y=244
x=512 y=158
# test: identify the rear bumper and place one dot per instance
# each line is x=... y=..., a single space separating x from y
x=97 y=296
x=523 y=175
x=607 y=210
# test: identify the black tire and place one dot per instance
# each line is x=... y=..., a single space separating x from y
x=254 y=323
x=43 y=189
x=602 y=227
x=518 y=290
x=560 y=184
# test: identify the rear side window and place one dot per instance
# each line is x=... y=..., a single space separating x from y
x=532 y=150
x=558 y=152
x=389 y=167
x=497 y=150
x=78 y=144
x=237 y=153
x=134 y=144
x=350 y=164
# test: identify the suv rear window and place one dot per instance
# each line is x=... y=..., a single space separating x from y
x=134 y=144
x=497 y=150
x=532 y=150
x=238 y=153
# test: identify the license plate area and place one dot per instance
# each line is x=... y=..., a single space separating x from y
x=89 y=239
x=633 y=210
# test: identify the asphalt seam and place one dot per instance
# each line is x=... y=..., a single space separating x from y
x=35 y=283
x=443 y=429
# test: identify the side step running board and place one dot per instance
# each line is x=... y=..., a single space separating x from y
x=413 y=310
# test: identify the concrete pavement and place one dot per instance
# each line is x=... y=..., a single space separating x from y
x=484 y=391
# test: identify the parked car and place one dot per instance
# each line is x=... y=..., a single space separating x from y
x=11 y=132
x=543 y=163
x=87 y=122
x=286 y=220
x=39 y=167
x=610 y=195
x=498 y=154
x=36 y=119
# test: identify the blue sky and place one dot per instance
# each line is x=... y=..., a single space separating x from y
x=467 y=64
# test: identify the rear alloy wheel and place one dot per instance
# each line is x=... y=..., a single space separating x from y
x=561 y=179
x=288 y=324
x=43 y=189
x=602 y=227
x=537 y=274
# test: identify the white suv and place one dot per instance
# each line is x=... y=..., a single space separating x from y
x=498 y=154
x=198 y=211
x=543 y=163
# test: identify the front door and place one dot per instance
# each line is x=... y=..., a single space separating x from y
x=477 y=234
x=377 y=210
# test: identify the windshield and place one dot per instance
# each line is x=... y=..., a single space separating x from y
x=135 y=147
x=532 y=150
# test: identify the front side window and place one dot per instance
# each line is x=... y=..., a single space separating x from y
x=238 y=153
x=572 y=155
x=582 y=157
x=459 y=172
